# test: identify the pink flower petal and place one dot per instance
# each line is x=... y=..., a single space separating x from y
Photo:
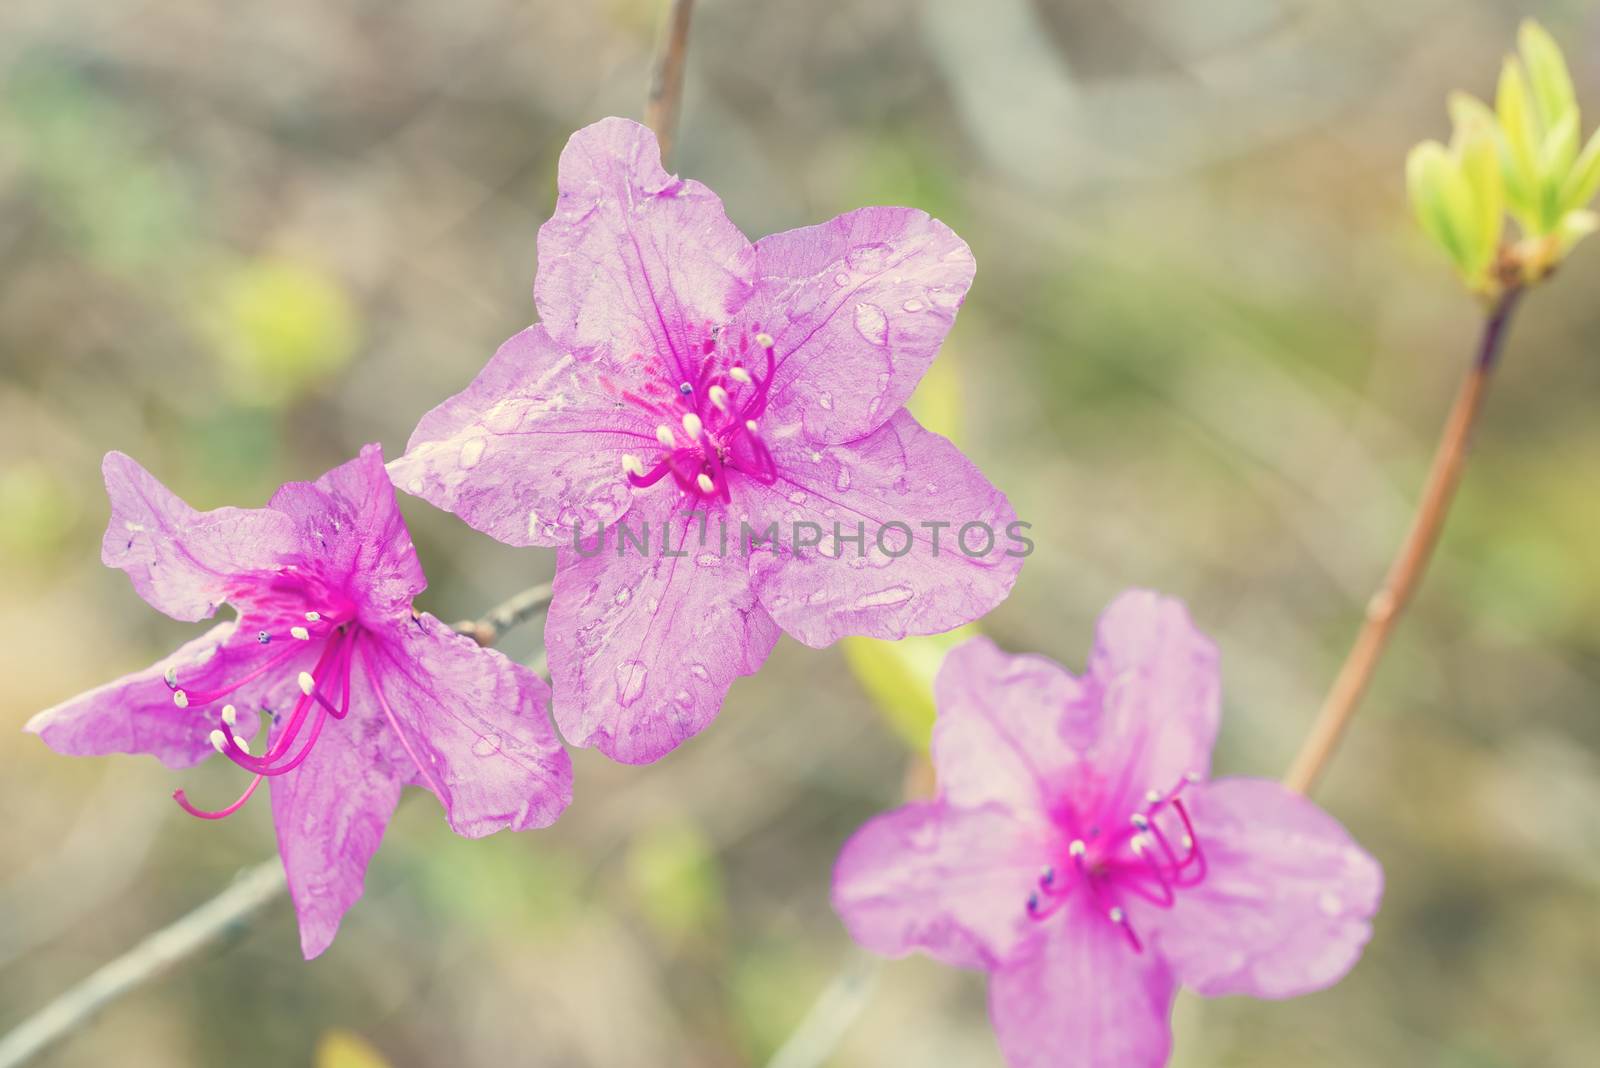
x=642 y=647
x=1286 y=906
x=903 y=584
x=1160 y=689
x=184 y=562
x=1081 y=996
x=136 y=713
x=479 y=723
x=951 y=882
x=353 y=535
x=532 y=448
x=331 y=813
x=634 y=260
x=858 y=307
x=1010 y=728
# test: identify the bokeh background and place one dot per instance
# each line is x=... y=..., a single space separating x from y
x=1206 y=352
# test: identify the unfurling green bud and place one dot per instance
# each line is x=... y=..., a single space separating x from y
x=1523 y=157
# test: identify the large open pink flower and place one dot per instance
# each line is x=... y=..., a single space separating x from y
x=363 y=696
x=1078 y=852
x=679 y=368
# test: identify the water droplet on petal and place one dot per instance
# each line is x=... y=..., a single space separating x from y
x=826 y=401
x=472 y=451
x=630 y=681
x=913 y=305
x=872 y=324
x=886 y=598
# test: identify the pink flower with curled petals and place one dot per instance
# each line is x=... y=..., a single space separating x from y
x=363 y=695
x=1078 y=852
x=683 y=379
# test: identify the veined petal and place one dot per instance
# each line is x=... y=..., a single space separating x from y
x=533 y=447
x=1286 y=905
x=1078 y=995
x=331 y=813
x=635 y=261
x=351 y=529
x=1010 y=728
x=1160 y=697
x=478 y=722
x=949 y=881
x=916 y=579
x=181 y=561
x=643 y=647
x=136 y=713
x=858 y=307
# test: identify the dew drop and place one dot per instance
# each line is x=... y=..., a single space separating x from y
x=872 y=324
x=913 y=305
x=885 y=598
x=630 y=681
x=825 y=400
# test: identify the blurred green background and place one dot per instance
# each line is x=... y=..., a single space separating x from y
x=1206 y=351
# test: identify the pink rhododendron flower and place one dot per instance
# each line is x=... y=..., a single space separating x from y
x=1078 y=852
x=363 y=695
x=679 y=369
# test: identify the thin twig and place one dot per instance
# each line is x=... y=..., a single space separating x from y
x=225 y=914
x=1405 y=573
x=830 y=1016
x=666 y=78
x=513 y=612
x=228 y=912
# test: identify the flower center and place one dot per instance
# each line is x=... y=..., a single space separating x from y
x=1154 y=857
x=710 y=425
x=324 y=691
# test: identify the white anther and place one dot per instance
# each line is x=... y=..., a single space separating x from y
x=1115 y=914
x=719 y=397
x=219 y=741
x=1140 y=821
x=1077 y=848
x=664 y=435
x=241 y=743
x=1152 y=796
x=764 y=340
x=740 y=375
x=1192 y=776
x=312 y=617
x=750 y=425
x=632 y=465
x=1136 y=843
x=301 y=633
x=1188 y=843
x=692 y=425
x=172 y=677
x=705 y=483
x=230 y=715
x=307 y=683
x=180 y=698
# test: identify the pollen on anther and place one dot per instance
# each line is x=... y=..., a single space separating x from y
x=171 y=676
x=705 y=483
x=739 y=375
x=1140 y=821
x=664 y=435
x=1077 y=848
x=750 y=425
x=632 y=464
x=1152 y=796
x=307 y=683
x=764 y=340
x=219 y=741
x=263 y=637
x=685 y=388
x=301 y=633
x=180 y=698
x=1116 y=914
x=692 y=425
x=312 y=617
x=719 y=397
x=241 y=743
x=230 y=715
